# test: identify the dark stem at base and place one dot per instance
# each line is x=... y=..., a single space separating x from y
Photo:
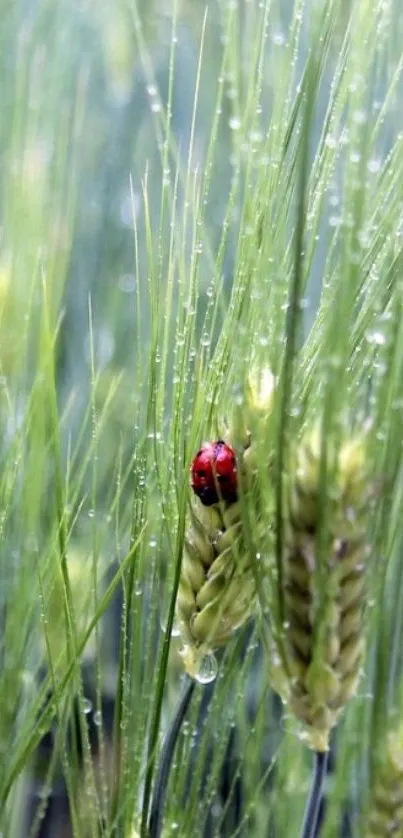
x=309 y=828
x=168 y=748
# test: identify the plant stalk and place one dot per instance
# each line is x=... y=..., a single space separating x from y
x=310 y=824
x=168 y=748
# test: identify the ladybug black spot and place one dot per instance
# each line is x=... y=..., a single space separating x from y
x=208 y=496
x=200 y=472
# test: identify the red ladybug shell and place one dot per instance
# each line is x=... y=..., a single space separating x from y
x=213 y=473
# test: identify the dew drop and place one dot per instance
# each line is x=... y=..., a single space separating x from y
x=376 y=337
x=374 y=165
x=234 y=123
x=175 y=632
x=331 y=142
x=355 y=157
x=127 y=283
x=87 y=705
x=278 y=39
x=97 y=718
x=207 y=669
x=360 y=117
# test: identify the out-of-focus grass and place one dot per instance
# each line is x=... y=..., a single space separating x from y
x=183 y=191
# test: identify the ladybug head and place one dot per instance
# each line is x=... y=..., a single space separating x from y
x=213 y=473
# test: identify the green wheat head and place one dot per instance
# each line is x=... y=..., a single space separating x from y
x=217 y=589
x=324 y=586
x=385 y=816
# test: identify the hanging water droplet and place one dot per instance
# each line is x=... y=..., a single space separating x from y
x=207 y=669
x=97 y=718
x=175 y=631
x=87 y=705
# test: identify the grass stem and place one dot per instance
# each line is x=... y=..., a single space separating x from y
x=310 y=824
x=161 y=780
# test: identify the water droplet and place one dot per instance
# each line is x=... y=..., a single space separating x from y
x=360 y=117
x=376 y=337
x=138 y=589
x=127 y=283
x=97 y=718
x=207 y=669
x=331 y=142
x=87 y=705
x=355 y=157
x=374 y=165
x=234 y=123
x=278 y=39
x=43 y=793
x=176 y=632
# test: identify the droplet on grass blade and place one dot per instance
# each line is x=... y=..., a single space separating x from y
x=175 y=628
x=87 y=705
x=234 y=123
x=207 y=669
x=377 y=337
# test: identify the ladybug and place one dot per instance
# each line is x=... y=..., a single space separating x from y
x=213 y=473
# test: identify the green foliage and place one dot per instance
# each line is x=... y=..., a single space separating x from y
x=187 y=192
